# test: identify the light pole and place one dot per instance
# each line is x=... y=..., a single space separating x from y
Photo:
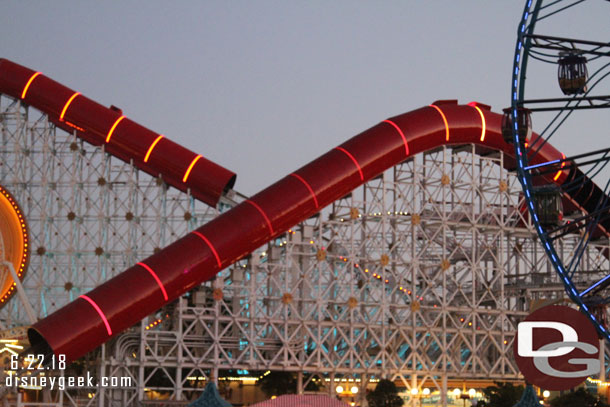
x=415 y=394
x=462 y=394
x=545 y=395
x=473 y=401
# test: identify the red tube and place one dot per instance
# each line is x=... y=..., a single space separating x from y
x=125 y=299
x=121 y=137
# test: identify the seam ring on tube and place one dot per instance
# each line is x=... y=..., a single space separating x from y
x=99 y=311
x=353 y=159
x=315 y=199
x=258 y=208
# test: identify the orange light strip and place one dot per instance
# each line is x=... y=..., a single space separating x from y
x=27 y=85
x=258 y=208
x=315 y=199
x=205 y=239
x=444 y=121
x=190 y=168
x=353 y=159
x=404 y=139
x=484 y=129
x=156 y=277
x=113 y=127
x=74 y=126
x=152 y=146
x=99 y=311
x=563 y=164
x=63 y=112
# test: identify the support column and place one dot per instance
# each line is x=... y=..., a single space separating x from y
x=601 y=389
x=21 y=292
x=413 y=386
x=141 y=354
x=362 y=391
x=299 y=382
x=101 y=392
x=214 y=377
x=602 y=360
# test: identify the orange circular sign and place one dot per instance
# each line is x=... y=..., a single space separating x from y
x=14 y=247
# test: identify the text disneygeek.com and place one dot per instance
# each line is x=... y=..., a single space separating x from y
x=63 y=382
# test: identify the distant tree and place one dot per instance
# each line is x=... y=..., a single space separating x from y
x=384 y=395
x=578 y=398
x=277 y=383
x=501 y=395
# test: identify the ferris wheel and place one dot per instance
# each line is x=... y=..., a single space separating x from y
x=569 y=195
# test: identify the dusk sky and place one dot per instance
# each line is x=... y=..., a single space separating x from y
x=263 y=87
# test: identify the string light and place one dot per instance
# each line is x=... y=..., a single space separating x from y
x=155 y=322
x=598 y=382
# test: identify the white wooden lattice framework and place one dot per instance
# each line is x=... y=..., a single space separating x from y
x=418 y=276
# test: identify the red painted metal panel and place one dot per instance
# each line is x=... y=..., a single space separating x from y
x=129 y=142
x=13 y=78
x=95 y=119
x=330 y=176
x=48 y=95
x=425 y=131
x=124 y=144
x=235 y=232
x=375 y=148
x=296 y=200
x=61 y=331
x=465 y=124
x=176 y=271
x=127 y=298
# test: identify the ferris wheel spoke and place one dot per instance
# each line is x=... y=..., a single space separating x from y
x=551 y=4
x=543 y=57
x=578 y=224
x=560 y=10
x=575 y=261
x=569 y=163
x=598 y=286
x=547 y=133
x=582 y=245
x=583 y=47
x=573 y=103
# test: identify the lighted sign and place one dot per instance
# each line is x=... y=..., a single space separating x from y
x=14 y=247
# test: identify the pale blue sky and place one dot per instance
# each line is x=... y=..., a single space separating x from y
x=263 y=87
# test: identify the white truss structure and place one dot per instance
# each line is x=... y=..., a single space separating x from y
x=419 y=276
x=90 y=216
